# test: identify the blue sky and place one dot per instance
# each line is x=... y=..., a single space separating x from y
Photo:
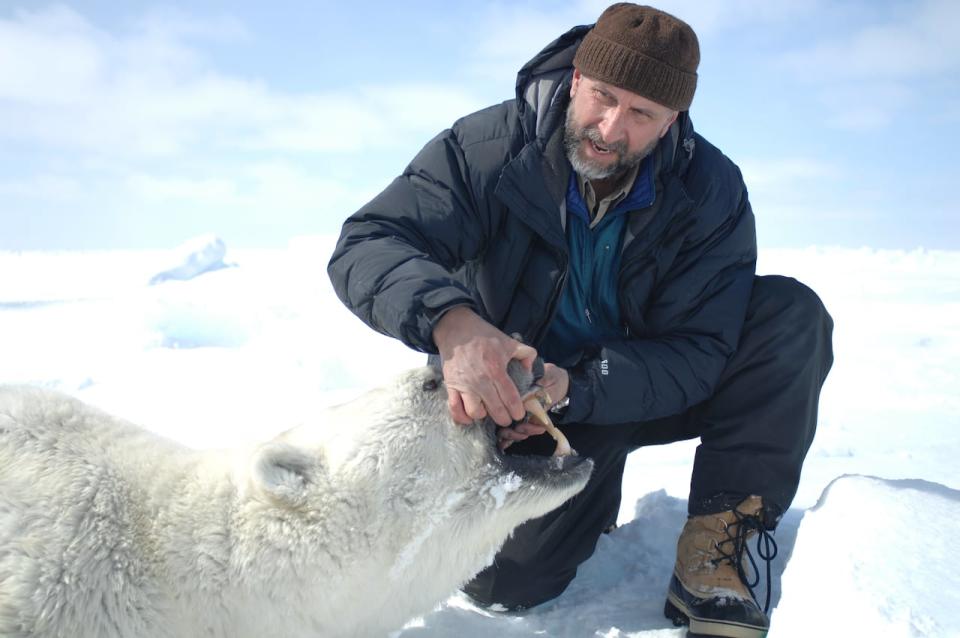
x=139 y=125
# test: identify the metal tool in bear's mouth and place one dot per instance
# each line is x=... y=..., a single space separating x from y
x=536 y=400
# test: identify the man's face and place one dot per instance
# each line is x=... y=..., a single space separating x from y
x=609 y=130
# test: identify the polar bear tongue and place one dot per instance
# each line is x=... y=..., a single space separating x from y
x=534 y=403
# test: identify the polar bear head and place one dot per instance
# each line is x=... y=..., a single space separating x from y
x=404 y=491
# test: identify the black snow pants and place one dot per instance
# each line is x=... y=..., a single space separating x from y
x=755 y=432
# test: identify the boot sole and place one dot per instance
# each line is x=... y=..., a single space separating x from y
x=675 y=610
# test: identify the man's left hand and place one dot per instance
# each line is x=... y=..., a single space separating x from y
x=556 y=381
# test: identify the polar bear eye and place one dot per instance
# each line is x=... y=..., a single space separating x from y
x=430 y=385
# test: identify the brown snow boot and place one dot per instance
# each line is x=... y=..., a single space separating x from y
x=711 y=591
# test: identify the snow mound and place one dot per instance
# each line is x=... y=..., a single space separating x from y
x=874 y=558
x=193 y=258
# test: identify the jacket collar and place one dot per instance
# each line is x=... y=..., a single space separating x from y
x=642 y=194
x=533 y=187
x=544 y=79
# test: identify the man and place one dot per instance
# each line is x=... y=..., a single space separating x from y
x=587 y=217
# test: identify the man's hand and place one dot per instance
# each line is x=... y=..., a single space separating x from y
x=556 y=382
x=475 y=356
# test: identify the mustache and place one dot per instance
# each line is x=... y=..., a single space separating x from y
x=592 y=133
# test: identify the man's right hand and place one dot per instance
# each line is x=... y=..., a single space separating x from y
x=475 y=355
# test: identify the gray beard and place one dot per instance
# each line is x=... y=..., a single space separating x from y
x=573 y=136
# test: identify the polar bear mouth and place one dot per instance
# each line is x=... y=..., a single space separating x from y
x=547 y=471
x=544 y=466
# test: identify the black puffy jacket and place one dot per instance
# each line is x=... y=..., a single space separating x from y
x=477 y=218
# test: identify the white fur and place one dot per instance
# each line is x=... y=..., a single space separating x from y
x=346 y=527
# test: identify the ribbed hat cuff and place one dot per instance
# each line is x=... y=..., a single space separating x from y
x=611 y=62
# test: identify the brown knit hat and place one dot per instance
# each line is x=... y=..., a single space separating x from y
x=645 y=51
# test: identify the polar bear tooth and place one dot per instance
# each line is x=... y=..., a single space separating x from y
x=535 y=407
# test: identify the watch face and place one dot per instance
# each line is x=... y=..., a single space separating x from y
x=561 y=405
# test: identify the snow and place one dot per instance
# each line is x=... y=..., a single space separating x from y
x=193 y=258
x=235 y=354
x=896 y=577
x=500 y=488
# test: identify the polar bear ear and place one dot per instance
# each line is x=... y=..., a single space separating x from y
x=284 y=473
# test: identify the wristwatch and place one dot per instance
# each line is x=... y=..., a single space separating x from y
x=560 y=407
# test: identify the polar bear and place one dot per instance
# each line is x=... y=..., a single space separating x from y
x=344 y=527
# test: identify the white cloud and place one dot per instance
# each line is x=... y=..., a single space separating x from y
x=219 y=191
x=262 y=188
x=277 y=185
x=865 y=106
x=508 y=35
x=51 y=57
x=168 y=23
x=355 y=119
x=919 y=40
x=710 y=18
x=871 y=76
x=787 y=173
x=44 y=186
x=66 y=84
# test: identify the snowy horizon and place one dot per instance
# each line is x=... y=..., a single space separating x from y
x=251 y=342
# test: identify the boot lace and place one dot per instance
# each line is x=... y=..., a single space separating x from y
x=737 y=535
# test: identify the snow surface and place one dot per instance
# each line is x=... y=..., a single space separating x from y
x=241 y=353
x=897 y=577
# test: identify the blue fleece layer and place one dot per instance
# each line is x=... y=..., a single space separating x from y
x=588 y=311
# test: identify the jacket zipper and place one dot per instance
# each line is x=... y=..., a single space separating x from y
x=554 y=300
